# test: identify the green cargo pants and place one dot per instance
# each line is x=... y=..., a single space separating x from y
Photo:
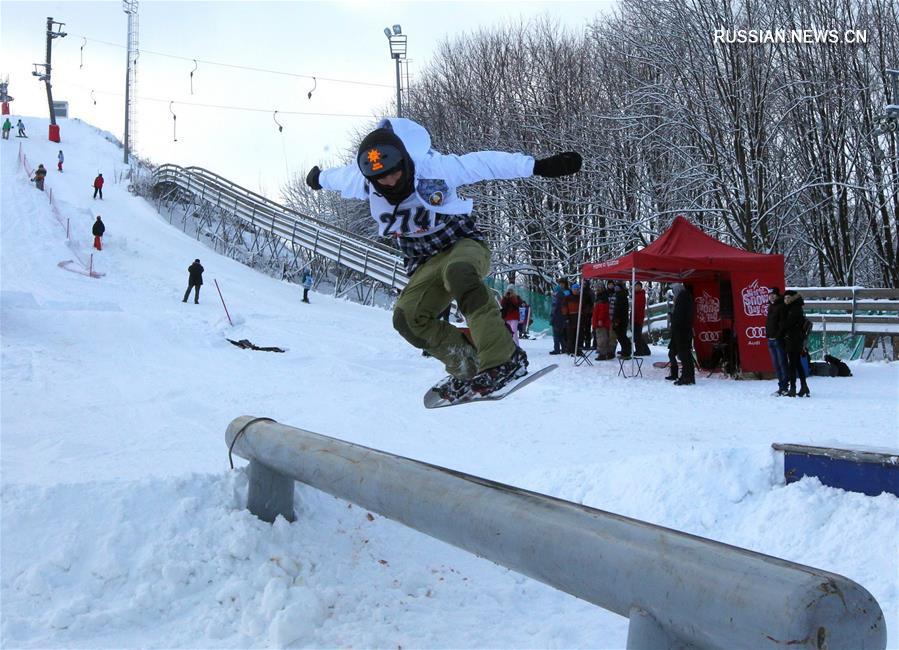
x=456 y=273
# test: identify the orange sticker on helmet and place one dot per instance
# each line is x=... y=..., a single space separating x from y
x=374 y=157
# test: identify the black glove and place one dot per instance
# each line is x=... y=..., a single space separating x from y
x=312 y=178
x=561 y=164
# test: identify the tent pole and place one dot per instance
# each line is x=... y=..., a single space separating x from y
x=633 y=311
x=580 y=306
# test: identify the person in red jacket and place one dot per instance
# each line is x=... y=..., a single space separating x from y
x=601 y=323
x=641 y=349
x=98 y=186
x=509 y=306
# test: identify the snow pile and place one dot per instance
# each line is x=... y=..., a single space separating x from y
x=123 y=527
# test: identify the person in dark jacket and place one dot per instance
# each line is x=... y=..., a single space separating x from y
x=307 y=284
x=681 y=344
x=792 y=331
x=620 y=313
x=776 y=346
x=98 y=230
x=557 y=318
x=39 y=175
x=194 y=281
x=98 y=186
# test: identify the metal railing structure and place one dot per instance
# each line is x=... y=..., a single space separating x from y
x=238 y=219
x=845 y=310
x=678 y=590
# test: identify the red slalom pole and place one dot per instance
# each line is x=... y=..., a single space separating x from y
x=223 y=302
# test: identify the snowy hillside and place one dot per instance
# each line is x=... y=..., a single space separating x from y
x=122 y=526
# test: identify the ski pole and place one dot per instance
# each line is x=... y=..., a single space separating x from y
x=223 y=301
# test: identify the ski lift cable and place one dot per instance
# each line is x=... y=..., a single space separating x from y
x=228 y=107
x=246 y=67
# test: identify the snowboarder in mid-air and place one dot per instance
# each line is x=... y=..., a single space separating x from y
x=411 y=191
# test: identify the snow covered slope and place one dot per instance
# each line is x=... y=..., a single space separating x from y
x=123 y=527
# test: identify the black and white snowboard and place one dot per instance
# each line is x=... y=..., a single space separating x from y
x=433 y=401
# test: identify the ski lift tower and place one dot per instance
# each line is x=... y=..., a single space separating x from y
x=5 y=98
x=130 y=9
x=44 y=75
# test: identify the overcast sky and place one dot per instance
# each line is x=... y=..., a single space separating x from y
x=337 y=40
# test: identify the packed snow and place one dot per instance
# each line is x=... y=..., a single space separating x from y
x=123 y=526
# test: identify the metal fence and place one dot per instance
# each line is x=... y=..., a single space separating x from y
x=678 y=590
x=196 y=189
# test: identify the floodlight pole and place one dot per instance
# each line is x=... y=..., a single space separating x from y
x=397 y=41
x=399 y=101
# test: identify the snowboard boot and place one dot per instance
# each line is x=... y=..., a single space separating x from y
x=493 y=379
x=672 y=377
x=684 y=381
x=451 y=388
x=804 y=392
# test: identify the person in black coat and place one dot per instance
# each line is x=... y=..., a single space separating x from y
x=681 y=344
x=792 y=331
x=776 y=348
x=619 y=311
x=98 y=230
x=195 y=281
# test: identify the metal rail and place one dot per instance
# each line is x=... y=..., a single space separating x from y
x=678 y=590
x=834 y=310
x=375 y=261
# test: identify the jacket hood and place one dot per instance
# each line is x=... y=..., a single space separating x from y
x=415 y=137
x=792 y=298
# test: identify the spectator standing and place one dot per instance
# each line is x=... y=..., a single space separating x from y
x=681 y=344
x=60 y=158
x=39 y=175
x=98 y=230
x=620 y=313
x=509 y=307
x=575 y=341
x=98 y=186
x=557 y=317
x=524 y=319
x=307 y=284
x=793 y=331
x=194 y=281
x=7 y=127
x=641 y=349
x=776 y=348
x=601 y=323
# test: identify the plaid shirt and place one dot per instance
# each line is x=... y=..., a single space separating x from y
x=418 y=250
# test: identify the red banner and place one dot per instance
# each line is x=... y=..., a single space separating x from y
x=750 y=314
x=706 y=318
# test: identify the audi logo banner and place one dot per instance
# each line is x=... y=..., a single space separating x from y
x=755 y=332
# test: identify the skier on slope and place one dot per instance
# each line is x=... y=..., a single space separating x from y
x=411 y=191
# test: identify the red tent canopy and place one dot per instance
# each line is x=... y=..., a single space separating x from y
x=681 y=252
x=685 y=253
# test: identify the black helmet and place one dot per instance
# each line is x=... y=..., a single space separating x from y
x=382 y=152
x=379 y=160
